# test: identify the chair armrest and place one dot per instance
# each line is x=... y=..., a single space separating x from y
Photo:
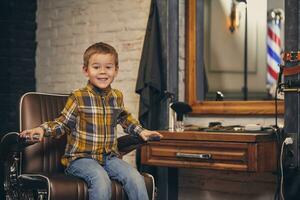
x=11 y=142
x=128 y=143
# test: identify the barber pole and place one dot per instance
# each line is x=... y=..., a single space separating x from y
x=273 y=46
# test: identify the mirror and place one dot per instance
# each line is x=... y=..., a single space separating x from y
x=195 y=54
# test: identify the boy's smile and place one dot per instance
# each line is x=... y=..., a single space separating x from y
x=101 y=70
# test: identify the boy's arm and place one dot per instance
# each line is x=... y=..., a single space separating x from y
x=59 y=126
x=132 y=126
x=128 y=123
x=35 y=134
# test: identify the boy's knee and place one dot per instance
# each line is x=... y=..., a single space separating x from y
x=137 y=180
x=136 y=187
x=101 y=179
x=101 y=186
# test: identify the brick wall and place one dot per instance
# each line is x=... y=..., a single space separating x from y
x=66 y=28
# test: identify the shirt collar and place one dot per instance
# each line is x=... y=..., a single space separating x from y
x=102 y=92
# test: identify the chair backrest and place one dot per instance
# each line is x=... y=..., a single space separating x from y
x=36 y=108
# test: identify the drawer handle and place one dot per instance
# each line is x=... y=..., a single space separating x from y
x=189 y=155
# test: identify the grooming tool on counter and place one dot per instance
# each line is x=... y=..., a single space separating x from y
x=180 y=108
x=253 y=127
x=213 y=124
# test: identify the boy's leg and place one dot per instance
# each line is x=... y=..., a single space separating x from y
x=132 y=181
x=99 y=184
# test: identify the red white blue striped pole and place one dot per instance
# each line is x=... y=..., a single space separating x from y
x=273 y=46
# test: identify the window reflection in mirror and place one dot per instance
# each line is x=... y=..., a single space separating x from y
x=224 y=45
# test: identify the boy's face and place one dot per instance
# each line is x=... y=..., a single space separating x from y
x=101 y=70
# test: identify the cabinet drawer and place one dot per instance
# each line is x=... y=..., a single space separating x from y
x=237 y=156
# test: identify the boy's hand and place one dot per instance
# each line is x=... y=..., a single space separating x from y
x=147 y=134
x=35 y=134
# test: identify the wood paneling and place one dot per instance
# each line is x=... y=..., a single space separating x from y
x=203 y=184
x=252 y=152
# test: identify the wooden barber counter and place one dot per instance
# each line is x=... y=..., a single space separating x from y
x=249 y=152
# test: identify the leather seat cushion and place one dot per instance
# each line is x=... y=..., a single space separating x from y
x=69 y=187
x=62 y=186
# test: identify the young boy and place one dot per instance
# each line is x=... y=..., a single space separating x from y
x=89 y=119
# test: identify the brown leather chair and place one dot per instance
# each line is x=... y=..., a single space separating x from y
x=40 y=174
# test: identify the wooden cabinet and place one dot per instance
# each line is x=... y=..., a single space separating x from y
x=252 y=152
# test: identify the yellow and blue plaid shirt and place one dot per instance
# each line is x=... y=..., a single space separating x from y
x=89 y=119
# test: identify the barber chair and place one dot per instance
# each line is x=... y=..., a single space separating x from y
x=33 y=170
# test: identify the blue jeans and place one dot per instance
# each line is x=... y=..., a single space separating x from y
x=98 y=177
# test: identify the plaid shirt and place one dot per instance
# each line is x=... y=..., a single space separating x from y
x=89 y=119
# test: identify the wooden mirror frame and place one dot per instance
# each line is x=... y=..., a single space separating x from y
x=214 y=107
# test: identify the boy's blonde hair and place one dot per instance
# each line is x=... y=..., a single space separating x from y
x=101 y=48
